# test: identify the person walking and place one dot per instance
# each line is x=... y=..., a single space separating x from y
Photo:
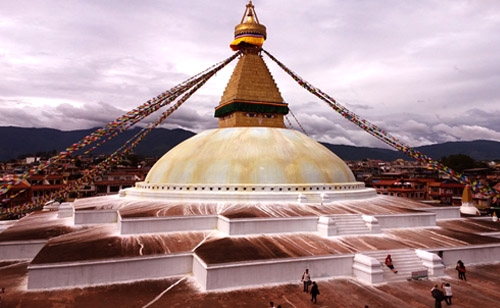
x=388 y=263
x=461 y=270
x=438 y=296
x=447 y=292
x=314 y=292
x=271 y=305
x=306 y=279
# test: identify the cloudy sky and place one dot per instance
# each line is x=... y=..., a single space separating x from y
x=426 y=71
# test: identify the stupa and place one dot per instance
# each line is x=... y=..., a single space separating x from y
x=247 y=204
x=251 y=156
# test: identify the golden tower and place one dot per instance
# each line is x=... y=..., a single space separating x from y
x=251 y=97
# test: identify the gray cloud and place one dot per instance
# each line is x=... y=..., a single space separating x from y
x=424 y=71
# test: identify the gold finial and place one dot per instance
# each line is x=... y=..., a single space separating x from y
x=249 y=13
x=249 y=31
x=467 y=194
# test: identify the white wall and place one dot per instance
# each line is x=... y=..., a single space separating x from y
x=244 y=226
x=167 y=224
x=444 y=212
x=471 y=254
x=67 y=275
x=20 y=250
x=255 y=274
x=406 y=220
x=83 y=217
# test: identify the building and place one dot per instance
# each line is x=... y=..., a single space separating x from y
x=17 y=195
x=402 y=187
x=446 y=192
x=117 y=179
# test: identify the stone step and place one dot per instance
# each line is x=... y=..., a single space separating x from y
x=350 y=221
x=352 y=232
x=352 y=228
x=405 y=262
x=350 y=224
x=348 y=218
x=347 y=231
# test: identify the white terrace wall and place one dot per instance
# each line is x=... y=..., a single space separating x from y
x=472 y=254
x=444 y=212
x=68 y=275
x=167 y=224
x=20 y=250
x=419 y=219
x=256 y=274
x=83 y=217
x=4 y=224
x=491 y=234
x=235 y=226
x=244 y=226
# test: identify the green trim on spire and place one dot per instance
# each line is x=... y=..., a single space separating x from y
x=250 y=107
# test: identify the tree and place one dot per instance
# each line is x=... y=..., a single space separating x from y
x=458 y=162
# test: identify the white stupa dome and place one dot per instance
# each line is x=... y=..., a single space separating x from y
x=250 y=155
x=252 y=164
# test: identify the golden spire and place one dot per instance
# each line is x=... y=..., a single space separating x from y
x=251 y=97
x=467 y=194
x=249 y=30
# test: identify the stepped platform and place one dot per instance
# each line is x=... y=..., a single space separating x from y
x=406 y=262
x=258 y=243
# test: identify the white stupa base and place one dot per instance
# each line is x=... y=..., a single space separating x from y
x=469 y=209
x=314 y=193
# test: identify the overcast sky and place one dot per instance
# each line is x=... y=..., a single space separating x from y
x=426 y=71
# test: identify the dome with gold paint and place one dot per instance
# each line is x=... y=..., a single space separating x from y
x=251 y=164
x=250 y=156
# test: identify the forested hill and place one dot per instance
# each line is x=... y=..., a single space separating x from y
x=17 y=141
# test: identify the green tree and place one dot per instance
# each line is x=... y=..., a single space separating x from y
x=458 y=162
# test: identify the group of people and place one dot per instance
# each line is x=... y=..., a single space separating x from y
x=442 y=294
x=306 y=281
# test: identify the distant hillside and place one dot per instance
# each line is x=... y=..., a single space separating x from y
x=17 y=141
x=349 y=152
x=479 y=149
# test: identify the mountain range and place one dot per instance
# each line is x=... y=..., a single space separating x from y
x=19 y=141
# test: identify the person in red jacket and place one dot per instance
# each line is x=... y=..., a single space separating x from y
x=461 y=270
x=388 y=263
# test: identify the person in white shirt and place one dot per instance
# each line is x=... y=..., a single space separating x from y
x=306 y=279
x=447 y=292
